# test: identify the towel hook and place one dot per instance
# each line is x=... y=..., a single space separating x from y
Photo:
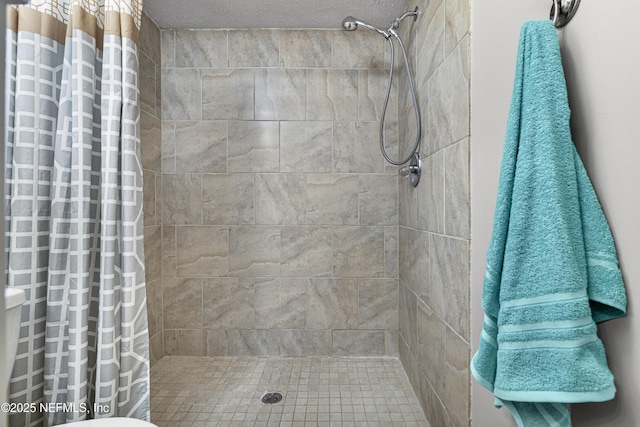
x=562 y=11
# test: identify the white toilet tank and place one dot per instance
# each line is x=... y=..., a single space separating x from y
x=13 y=300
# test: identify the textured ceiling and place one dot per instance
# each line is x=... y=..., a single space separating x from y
x=270 y=13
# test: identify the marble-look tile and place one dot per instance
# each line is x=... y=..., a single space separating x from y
x=431 y=194
x=332 y=304
x=431 y=347
x=392 y=343
x=147 y=84
x=158 y=109
x=414 y=261
x=280 y=198
x=168 y=48
x=229 y=303
x=280 y=94
x=457 y=189
x=356 y=147
x=361 y=343
x=359 y=49
x=297 y=342
x=332 y=199
x=156 y=347
x=158 y=198
x=305 y=146
x=253 y=48
x=254 y=251
x=150 y=142
x=456 y=22
x=181 y=94
x=150 y=39
x=306 y=251
x=254 y=146
x=201 y=147
x=182 y=303
x=149 y=197
x=305 y=49
x=152 y=288
x=378 y=199
x=182 y=199
x=391 y=260
x=450 y=282
x=153 y=252
x=378 y=304
x=255 y=343
x=407 y=204
x=281 y=303
x=408 y=313
x=372 y=91
x=168 y=147
x=430 y=55
x=227 y=94
x=169 y=260
x=456 y=374
x=435 y=410
x=332 y=94
x=216 y=343
x=358 y=251
x=227 y=199
x=170 y=348
x=202 y=251
x=448 y=91
x=201 y=48
x=191 y=342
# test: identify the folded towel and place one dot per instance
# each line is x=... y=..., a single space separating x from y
x=552 y=268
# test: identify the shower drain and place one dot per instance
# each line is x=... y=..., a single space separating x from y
x=272 y=398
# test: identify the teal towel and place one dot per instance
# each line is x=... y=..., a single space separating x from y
x=552 y=268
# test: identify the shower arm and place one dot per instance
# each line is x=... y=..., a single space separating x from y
x=396 y=22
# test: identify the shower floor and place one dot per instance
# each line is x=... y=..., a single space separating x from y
x=227 y=391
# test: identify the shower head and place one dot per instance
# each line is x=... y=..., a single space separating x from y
x=351 y=24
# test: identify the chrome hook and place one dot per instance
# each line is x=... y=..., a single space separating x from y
x=562 y=11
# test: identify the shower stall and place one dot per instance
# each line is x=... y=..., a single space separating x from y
x=277 y=234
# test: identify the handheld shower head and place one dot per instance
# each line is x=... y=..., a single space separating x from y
x=351 y=24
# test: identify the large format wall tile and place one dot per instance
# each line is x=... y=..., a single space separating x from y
x=333 y=304
x=332 y=199
x=181 y=94
x=305 y=146
x=280 y=94
x=358 y=251
x=206 y=151
x=253 y=48
x=280 y=198
x=227 y=94
x=305 y=49
x=202 y=251
x=332 y=94
x=227 y=199
x=254 y=251
x=254 y=147
x=307 y=251
x=201 y=48
x=274 y=198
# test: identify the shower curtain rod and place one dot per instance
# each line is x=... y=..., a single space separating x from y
x=562 y=11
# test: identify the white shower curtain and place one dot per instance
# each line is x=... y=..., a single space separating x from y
x=73 y=206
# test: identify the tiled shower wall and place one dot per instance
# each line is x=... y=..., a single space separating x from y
x=280 y=218
x=434 y=234
x=150 y=135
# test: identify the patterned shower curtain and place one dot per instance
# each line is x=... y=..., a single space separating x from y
x=73 y=206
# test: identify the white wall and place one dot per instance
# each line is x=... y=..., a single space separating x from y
x=601 y=53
